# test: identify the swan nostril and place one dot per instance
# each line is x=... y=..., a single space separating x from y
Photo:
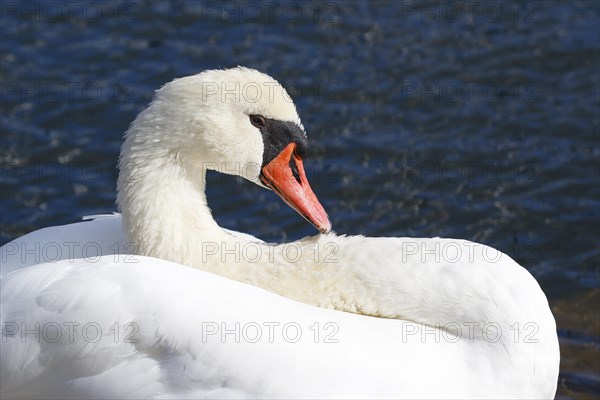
x=294 y=168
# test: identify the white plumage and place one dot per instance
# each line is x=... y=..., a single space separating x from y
x=440 y=317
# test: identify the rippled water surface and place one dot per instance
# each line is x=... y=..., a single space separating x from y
x=475 y=120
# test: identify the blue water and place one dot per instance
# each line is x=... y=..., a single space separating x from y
x=476 y=120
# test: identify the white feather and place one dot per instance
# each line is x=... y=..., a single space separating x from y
x=338 y=317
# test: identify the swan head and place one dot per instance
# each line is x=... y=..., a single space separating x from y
x=236 y=121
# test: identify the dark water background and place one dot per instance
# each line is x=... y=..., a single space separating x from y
x=475 y=120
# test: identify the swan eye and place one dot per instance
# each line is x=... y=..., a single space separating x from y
x=258 y=121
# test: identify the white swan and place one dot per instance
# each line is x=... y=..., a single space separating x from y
x=81 y=318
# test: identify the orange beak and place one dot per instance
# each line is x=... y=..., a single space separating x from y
x=285 y=176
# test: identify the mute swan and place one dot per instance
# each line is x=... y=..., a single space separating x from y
x=110 y=308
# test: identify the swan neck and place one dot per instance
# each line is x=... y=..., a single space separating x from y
x=163 y=203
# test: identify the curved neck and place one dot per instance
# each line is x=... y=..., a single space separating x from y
x=165 y=213
x=164 y=207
